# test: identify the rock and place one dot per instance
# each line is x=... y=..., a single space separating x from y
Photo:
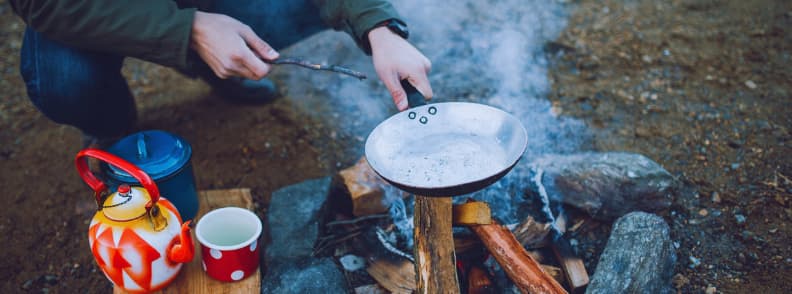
x=607 y=185
x=370 y=289
x=739 y=218
x=639 y=257
x=716 y=197
x=293 y=219
x=680 y=281
x=50 y=279
x=304 y=275
x=694 y=262
x=352 y=263
x=711 y=290
x=27 y=284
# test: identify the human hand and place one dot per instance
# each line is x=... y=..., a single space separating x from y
x=395 y=59
x=230 y=47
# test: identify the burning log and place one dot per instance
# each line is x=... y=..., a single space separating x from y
x=575 y=272
x=521 y=268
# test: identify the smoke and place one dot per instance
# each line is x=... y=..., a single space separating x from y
x=488 y=52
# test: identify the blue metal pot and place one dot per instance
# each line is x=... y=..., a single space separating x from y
x=165 y=157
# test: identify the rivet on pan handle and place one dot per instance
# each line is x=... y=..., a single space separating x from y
x=415 y=99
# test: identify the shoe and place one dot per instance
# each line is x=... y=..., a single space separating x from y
x=244 y=91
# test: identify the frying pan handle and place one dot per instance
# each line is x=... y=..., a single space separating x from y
x=414 y=98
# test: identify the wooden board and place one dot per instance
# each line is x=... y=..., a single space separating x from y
x=192 y=278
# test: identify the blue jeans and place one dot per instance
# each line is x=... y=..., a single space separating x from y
x=85 y=88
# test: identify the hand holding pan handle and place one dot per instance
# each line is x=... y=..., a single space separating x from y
x=414 y=98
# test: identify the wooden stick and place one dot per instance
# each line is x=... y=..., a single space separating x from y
x=328 y=67
x=575 y=272
x=434 y=246
x=521 y=268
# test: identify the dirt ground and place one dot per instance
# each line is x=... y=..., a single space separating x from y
x=702 y=87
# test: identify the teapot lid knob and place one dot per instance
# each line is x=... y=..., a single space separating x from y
x=124 y=189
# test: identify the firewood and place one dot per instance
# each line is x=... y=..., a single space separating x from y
x=479 y=282
x=435 y=261
x=574 y=270
x=365 y=188
x=522 y=269
x=532 y=234
x=472 y=213
x=554 y=272
x=395 y=275
x=464 y=244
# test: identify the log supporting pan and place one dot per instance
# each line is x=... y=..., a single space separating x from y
x=445 y=149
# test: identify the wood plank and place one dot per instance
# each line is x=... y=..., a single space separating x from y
x=192 y=278
x=435 y=262
x=574 y=270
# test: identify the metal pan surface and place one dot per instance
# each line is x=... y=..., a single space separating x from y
x=446 y=149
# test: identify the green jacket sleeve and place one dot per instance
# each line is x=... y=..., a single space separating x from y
x=356 y=17
x=153 y=30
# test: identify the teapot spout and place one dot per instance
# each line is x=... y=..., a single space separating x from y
x=183 y=250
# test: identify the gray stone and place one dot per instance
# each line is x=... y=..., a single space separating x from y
x=639 y=257
x=304 y=275
x=293 y=218
x=607 y=185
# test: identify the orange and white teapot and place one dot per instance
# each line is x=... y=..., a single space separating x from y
x=136 y=236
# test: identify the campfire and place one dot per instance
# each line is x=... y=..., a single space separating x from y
x=359 y=230
x=364 y=214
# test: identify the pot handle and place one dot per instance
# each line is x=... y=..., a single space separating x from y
x=414 y=98
x=81 y=161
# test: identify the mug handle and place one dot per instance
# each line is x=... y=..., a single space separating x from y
x=81 y=161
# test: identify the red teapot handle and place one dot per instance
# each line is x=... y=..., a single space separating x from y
x=98 y=186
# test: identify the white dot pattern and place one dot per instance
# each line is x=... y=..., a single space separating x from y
x=253 y=246
x=237 y=275
x=216 y=254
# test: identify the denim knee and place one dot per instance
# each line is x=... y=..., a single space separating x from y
x=76 y=87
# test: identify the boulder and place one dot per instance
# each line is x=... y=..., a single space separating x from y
x=607 y=185
x=304 y=275
x=639 y=257
x=293 y=222
x=293 y=218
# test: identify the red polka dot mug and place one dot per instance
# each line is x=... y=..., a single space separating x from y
x=229 y=243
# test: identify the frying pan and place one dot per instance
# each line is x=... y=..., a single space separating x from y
x=445 y=149
x=442 y=150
